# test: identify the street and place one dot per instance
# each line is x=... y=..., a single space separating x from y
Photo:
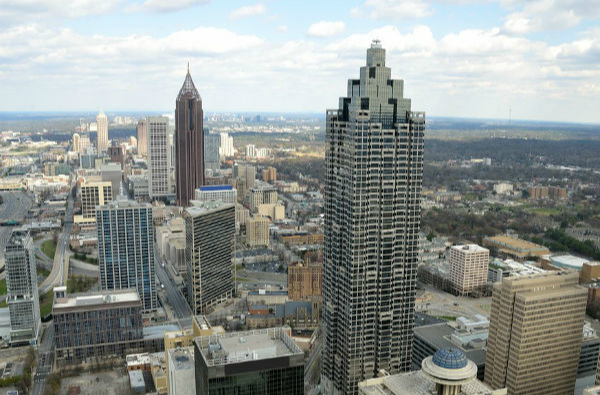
x=176 y=300
x=45 y=359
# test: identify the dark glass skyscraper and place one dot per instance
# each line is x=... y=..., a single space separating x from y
x=374 y=170
x=189 y=142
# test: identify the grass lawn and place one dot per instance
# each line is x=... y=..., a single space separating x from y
x=447 y=317
x=544 y=211
x=3 y=304
x=80 y=283
x=3 y=286
x=49 y=248
x=42 y=271
x=46 y=303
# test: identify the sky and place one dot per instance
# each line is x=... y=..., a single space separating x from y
x=534 y=59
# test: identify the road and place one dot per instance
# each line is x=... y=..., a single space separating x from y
x=45 y=359
x=58 y=274
x=180 y=307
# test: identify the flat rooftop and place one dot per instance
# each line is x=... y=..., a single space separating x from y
x=96 y=299
x=182 y=358
x=516 y=243
x=470 y=248
x=438 y=335
x=236 y=347
x=18 y=237
x=212 y=188
x=199 y=208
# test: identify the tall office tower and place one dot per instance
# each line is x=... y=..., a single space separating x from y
x=126 y=249
x=469 y=268
x=212 y=158
x=159 y=157
x=535 y=334
x=102 y=122
x=94 y=193
x=209 y=232
x=374 y=171
x=111 y=172
x=142 y=133
x=246 y=173
x=269 y=174
x=22 y=291
x=189 y=142
x=76 y=142
x=84 y=142
x=226 y=149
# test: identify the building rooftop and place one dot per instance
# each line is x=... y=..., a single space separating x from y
x=95 y=299
x=212 y=188
x=17 y=237
x=440 y=336
x=158 y=331
x=123 y=202
x=181 y=358
x=471 y=248
x=516 y=243
x=199 y=208
x=236 y=347
x=568 y=261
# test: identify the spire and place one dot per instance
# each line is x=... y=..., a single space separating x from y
x=188 y=87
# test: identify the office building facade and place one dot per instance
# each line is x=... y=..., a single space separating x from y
x=126 y=249
x=102 y=130
x=224 y=193
x=374 y=171
x=94 y=193
x=159 y=157
x=535 y=335
x=212 y=158
x=209 y=232
x=469 y=268
x=189 y=142
x=21 y=285
x=142 y=137
x=257 y=232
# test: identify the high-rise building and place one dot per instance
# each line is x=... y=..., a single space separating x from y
x=535 y=336
x=226 y=149
x=102 y=125
x=224 y=193
x=374 y=171
x=212 y=158
x=269 y=174
x=257 y=232
x=262 y=193
x=181 y=371
x=189 y=142
x=22 y=290
x=245 y=172
x=209 y=232
x=142 y=141
x=116 y=153
x=258 y=362
x=469 y=268
x=94 y=193
x=126 y=249
x=76 y=142
x=305 y=281
x=111 y=172
x=159 y=157
x=84 y=142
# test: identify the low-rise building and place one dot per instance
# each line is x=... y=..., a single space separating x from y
x=512 y=247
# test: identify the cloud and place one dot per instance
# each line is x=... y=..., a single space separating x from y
x=531 y=16
x=247 y=11
x=282 y=28
x=326 y=29
x=56 y=8
x=392 y=9
x=165 y=5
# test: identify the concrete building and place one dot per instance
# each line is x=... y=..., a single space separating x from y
x=374 y=171
x=209 y=232
x=305 y=281
x=139 y=188
x=212 y=158
x=142 y=137
x=257 y=232
x=84 y=143
x=242 y=215
x=549 y=306
x=226 y=145
x=76 y=141
x=499 y=269
x=181 y=371
x=469 y=268
x=91 y=327
x=590 y=350
x=503 y=188
x=112 y=172
x=126 y=249
x=245 y=173
x=93 y=194
x=447 y=372
x=592 y=391
x=22 y=291
x=224 y=193
x=260 y=362
x=189 y=142
x=275 y=211
x=102 y=125
x=269 y=174
x=159 y=157
x=262 y=193
x=512 y=247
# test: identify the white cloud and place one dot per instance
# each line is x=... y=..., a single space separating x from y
x=282 y=28
x=55 y=8
x=165 y=5
x=326 y=29
x=392 y=9
x=247 y=11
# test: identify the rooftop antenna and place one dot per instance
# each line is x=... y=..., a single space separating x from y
x=188 y=67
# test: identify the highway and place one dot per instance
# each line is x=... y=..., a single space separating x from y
x=177 y=302
x=58 y=274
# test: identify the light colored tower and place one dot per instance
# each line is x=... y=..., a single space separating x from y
x=102 y=122
x=76 y=142
x=469 y=268
x=374 y=172
x=126 y=250
x=22 y=291
x=189 y=142
x=142 y=143
x=535 y=334
x=159 y=157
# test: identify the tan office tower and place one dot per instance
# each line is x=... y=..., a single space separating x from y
x=468 y=268
x=535 y=334
x=102 y=122
x=142 y=143
x=76 y=142
x=94 y=193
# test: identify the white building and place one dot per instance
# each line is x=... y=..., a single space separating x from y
x=102 y=122
x=226 y=148
x=181 y=371
x=224 y=193
x=159 y=157
x=468 y=268
x=503 y=188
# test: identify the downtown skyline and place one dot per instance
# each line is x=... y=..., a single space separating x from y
x=482 y=60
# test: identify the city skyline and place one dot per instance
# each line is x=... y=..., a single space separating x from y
x=536 y=61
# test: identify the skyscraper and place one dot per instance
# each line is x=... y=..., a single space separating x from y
x=535 y=334
x=189 y=142
x=76 y=142
x=374 y=170
x=212 y=158
x=142 y=143
x=159 y=157
x=126 y=249
x=22 y=291
x=102 y=124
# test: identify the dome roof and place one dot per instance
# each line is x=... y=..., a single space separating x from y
x=450 y=358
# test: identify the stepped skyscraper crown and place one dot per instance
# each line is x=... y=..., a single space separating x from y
x=374 y=170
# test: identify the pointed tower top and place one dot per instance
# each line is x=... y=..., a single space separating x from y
x=188 y=87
